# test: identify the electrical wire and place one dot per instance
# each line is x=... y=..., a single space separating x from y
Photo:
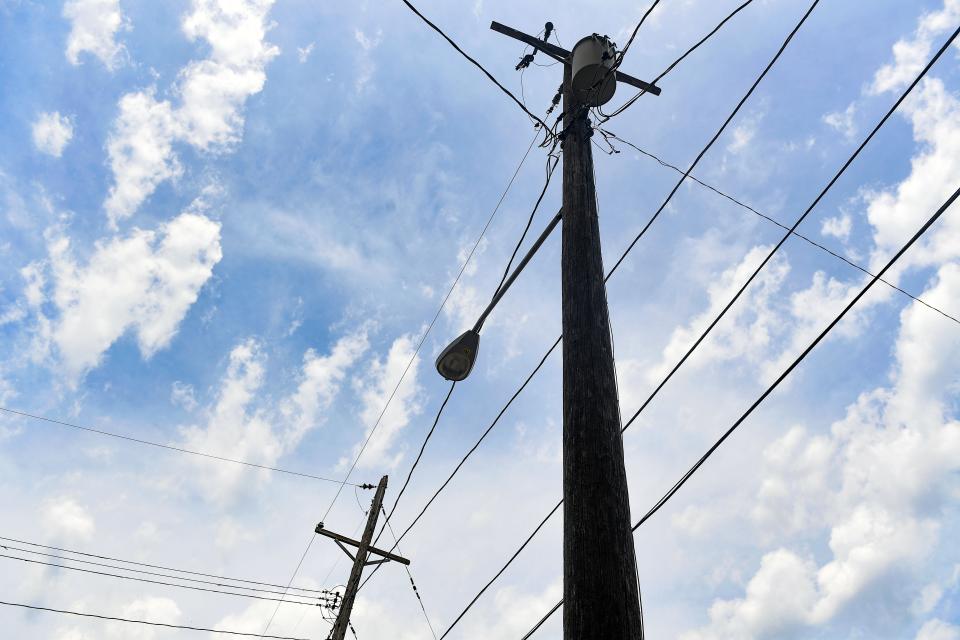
x=526 y=229
x=629 y=248
x=423 y=338
x=413 y=584
x=786 y=372
x=150 y=581
x=469 y=453
x=153 y=624
x=159 y=575
x=809 y=240
x=476 y=64
x=875 y=278
x=63 y=423
x=406 y=483
x=670 y=68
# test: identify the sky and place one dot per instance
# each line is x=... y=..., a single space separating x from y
x=225 y=226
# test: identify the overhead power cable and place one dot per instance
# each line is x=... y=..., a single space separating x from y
x=790 y=232
x=623 y=256
x=156 y=566
x=786 y=372
x=489 y=75
x=670 y=68
x=160 y=582
x=874 y=279
x=315 y=592
x=413 y=357
x=152 y=624
x=807 y=239
x=168 y=447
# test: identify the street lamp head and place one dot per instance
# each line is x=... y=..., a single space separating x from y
x=456 y=361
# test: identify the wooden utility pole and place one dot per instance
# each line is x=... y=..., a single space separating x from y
x=364 y=549
x=600 y=591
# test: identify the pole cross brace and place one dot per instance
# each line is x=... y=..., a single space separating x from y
x=562 y=55
x=338 y=538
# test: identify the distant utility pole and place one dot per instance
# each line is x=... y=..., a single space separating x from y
x=600 y=595
x=364 y=549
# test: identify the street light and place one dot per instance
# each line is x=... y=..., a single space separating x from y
x=456 y=361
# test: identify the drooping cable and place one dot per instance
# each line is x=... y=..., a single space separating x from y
x=670 y=68
x=489 y=75
x=790 y=231
x=760 y=214
x=224 y=582
x=146 y=622
x=630 y=247
x=413 y=584
x=151 y=581
x=423 y=338
x=786 y=372
x=168 y=447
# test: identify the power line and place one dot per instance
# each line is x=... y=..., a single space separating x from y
x=874 y=279
x=323 y=592
x=413 y=357
x=629 y=248
x=406 y=483
x=758 y=269
x=756 y=403
x=696 y=46
x=453 y=44
x=153 y=624
x=165 y=446
x=413 y=584
x=149 y=581
x=154 y=566
x=809 y=240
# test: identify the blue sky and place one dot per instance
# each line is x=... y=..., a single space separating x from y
x=224 y=226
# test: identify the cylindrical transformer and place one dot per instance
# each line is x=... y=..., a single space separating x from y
x=593 y=81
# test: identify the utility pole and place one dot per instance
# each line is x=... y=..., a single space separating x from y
x=364 y=549
x=600 y=591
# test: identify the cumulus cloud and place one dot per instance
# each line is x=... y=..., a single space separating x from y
x=93 y=29
x=144 y=282
x=839 y=227
x=747 y=328
x=894 y=458
x=843 y=121
x=911 y=54
x=375 y=388
x=238 y=425
x=68 y=519
x=938 y=630
x=897 y=212
x=51 y=133
x=210 y=96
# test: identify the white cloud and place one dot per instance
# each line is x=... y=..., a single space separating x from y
x=938 y=630
x=143 y=282
x=93 y=29
x=239 y=426
x=66 y=518
x=742 y=134
x=51 y=133
x=365 y=67
x=375 y=387
x=182 y=394
x=839 y=227
x=910 y=55
x=154 y=609
x=303 y=53
x=140 y=148
x=897 y=213
x=211 y=93
x=843 y=121
x=894 y=455
x=746 y=330
x=777 y=598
